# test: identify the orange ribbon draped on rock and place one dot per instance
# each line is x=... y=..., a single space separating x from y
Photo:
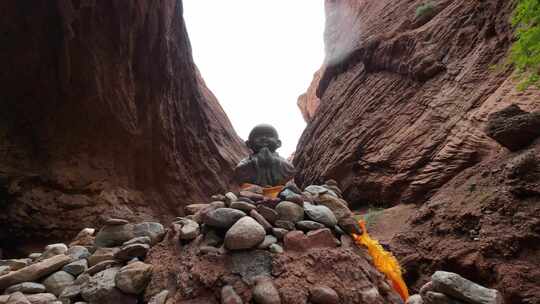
x=383 y=260
x=271 y=192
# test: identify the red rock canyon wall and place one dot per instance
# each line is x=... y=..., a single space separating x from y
x=103 y=113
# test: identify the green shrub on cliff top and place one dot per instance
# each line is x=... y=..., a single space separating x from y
x=525 y=53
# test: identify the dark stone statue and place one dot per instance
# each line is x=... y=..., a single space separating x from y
x=264 y=167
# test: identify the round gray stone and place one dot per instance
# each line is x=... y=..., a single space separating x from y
x=222 y=217
x=246 y=233
x=288 y=211
x=309 y=225
x=321 y=214
x=56 y=282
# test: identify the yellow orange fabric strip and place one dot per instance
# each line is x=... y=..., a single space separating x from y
x=383 y=260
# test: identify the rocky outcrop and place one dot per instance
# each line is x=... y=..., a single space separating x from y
x=484 y=224
x=405 y=98
x=309 y=102
x=514 y=128
x=103 y=113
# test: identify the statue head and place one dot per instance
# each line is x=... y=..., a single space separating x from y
x=263 y=136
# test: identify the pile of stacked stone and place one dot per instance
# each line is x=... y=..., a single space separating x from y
x=451 y=288
x=295 y=220
x=106 y=268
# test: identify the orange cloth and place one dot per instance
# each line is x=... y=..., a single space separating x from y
x=271 y=192
x=383 y=260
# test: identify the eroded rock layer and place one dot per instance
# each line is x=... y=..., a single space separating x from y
x=404 y=97
x=484 y=224
x=103 y=113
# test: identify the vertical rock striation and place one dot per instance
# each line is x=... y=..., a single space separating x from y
x=103 y=112
x=404 y=99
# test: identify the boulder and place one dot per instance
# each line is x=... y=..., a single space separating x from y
x=99 y=267
x=268 y=240
x=279 y=233
x=261 y=220
x=432 y=297
x=460 y=288
x=265 y=292
x=415 y=299
x=289 y=211
x=26 y=288
x=4 y=270
x=222 y=217
x=298 y=241
x=84 y=238
x=513 y=128
x=194 y=208
x=155 y=231
x=77 y=267
x=78 y=252
x=275 y=248
x=56 y=282
x=246 y=233
x=138 y=240
x=18 y=298
x=34 y=271
x=321 y=214
x=244 y=206
x=287 y=225
x=134 y=277
x=110 y=236
x=323 y=295
x=102 y=254
x=268 y=213
x=337 y=205
x=189 y=229
x=100 y=288
x=15 y=264
x=41 y=298
x=291 y=196
x=230 y=197
x=54 y=249
x=252 y=195
x=129 y=252
x=308 y=225
x=69 y=293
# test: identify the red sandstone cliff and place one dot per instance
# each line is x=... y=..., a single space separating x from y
x=404 y=106
x=404 y=99
x=103 y=113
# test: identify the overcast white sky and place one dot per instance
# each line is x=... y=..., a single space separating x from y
x=258 y=56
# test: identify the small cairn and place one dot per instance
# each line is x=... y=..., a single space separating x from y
x=294 y=220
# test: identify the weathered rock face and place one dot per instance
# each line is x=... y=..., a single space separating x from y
x=404 y=100
x=483 y=224
x=103 y=113
x=309 y=102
